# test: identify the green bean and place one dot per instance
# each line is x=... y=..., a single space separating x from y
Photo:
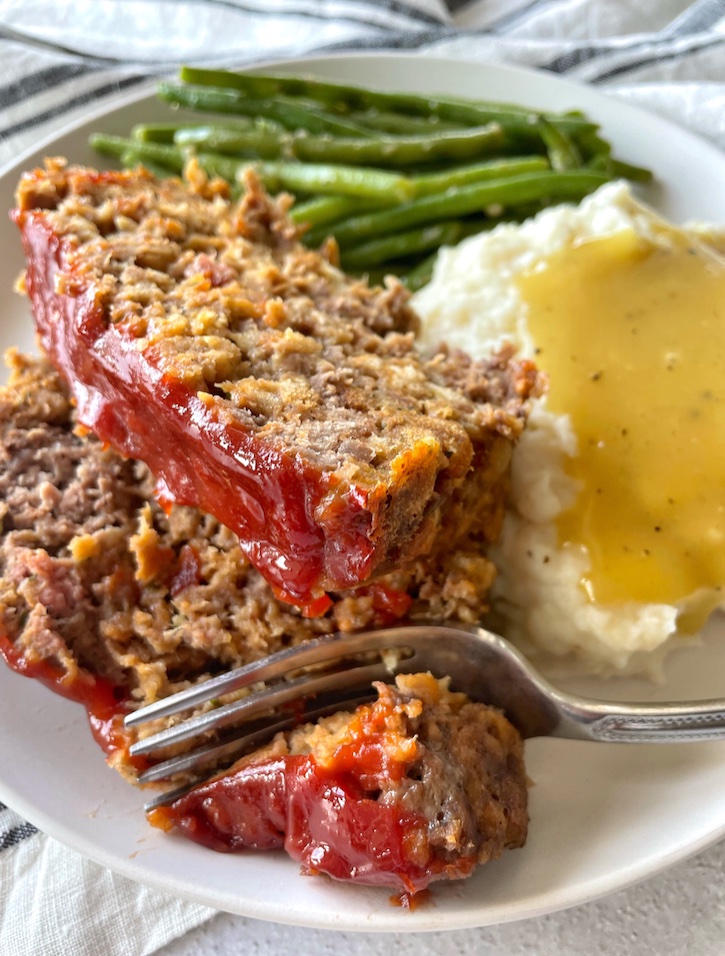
x=258 y=143
x=292 y=114
x=375 y=277
x=509 y=191
x=252 y=142
x=131 y=158
x=156 y=132
x=597 y=154
x=401 y=150
x=225 y=167
x=432 y=184
x=344 y=99
x=323 y=210
x=156 y=153
x=421 y=273
x=166 y=132
x=400 y=124
x=622 y=170
x=385 y=151
x=474 y=225
x=601 y=163
x=377 y=184
x=560 y=147
x=616 y=169
x=398 y=268
x=401 y=244
x=591 y=145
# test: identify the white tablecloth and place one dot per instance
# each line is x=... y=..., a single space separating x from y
x=57 y=60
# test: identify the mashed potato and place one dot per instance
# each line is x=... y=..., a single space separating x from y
x=474 y=302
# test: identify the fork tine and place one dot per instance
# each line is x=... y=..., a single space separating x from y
x=200 y=755
x=244 y=741
x=477 y=662
x=257 y=703
x=316 y=651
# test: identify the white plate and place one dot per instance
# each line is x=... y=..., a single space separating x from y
x=602 y=816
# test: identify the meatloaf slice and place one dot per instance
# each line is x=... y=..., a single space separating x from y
x=116 y=602
x=256 y=380
x=421 y=785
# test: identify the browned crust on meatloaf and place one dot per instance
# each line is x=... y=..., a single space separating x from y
x=385 y=447
x=95 y=575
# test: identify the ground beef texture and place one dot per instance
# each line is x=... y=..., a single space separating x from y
x=257 y=381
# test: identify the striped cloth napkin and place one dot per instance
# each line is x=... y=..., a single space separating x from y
x=59 y=59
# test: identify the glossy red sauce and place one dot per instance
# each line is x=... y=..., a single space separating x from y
x=103 y=702
x=322 y=817
x=241 y=811
x=268 y=498
x=97 y=696
x=389 y=605
x=335 y=827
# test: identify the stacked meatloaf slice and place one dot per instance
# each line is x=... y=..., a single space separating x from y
x=257 y=381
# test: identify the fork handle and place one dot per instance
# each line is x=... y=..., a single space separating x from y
x=641 y=723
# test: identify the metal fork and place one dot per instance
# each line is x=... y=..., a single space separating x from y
x=481 y=664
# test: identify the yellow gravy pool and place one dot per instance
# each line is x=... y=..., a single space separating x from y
x=632 y=336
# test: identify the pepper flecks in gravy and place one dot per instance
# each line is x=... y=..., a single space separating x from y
x=632 y=336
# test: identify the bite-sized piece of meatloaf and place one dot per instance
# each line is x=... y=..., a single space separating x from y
x=256 y=380
x=420 y=785
x=117 y=603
